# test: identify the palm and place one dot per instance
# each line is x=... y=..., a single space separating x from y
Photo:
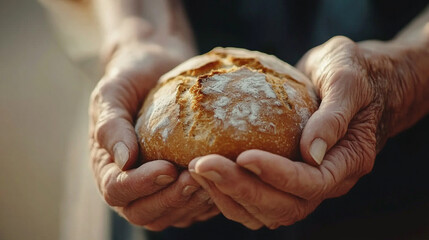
x=152 y=194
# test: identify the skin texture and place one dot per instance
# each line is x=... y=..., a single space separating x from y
x=156 y=194
x=365 y=88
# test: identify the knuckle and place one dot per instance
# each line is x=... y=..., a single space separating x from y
x=340 y=122
x=317 y=190
x=184 y=224
x=126 y=185
x=230 y=216
x=103 y=126
x=241 y=193
x=104 y=87
x=281 y=215
x=173 y=201
x=135 y=217
x=290 y=217
x=331 y=176
x=101 y=89
x=156 y=227
x=367 y=167
x=341 y=40
x=109 y=193
x=301 y=211
x=202 y=198
x=287 y=183
x=251 y=223
x=109 y=198
x=136 y=220
x=289 y=222
x=95 y=95
x=96 y=99
x=254 y=226
x=273 y=225
x=247 y=193
x=365 y=156
x=237 y=216
x=361 y=151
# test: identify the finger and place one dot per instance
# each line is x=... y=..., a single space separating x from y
x=229 y=208
x=147 y=210
x=213 y=211
x=113 y=105
x=196 y=205
x=267 y=204
x=352 y=157
x=344 y=164
x=343 y=90
x=347 y=161
x=297 y=178
x=119 y=188
x=327 y=125
x=203 y=216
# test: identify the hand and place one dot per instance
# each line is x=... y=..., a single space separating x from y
x=365 y=91
x=154 y=194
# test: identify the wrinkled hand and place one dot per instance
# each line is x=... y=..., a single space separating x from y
x=155 y=194
x=363 y=91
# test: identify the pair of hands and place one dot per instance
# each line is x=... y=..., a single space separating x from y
x=260 y=188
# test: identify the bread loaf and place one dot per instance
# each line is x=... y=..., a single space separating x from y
x=225 y=102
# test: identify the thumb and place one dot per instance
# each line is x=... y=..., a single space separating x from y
x=327 y=125
x=334 y=72
x=111 y=110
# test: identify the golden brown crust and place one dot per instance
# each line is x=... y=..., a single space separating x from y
x=225 y=102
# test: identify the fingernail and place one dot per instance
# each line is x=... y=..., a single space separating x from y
x=121 y=154
x=318 y=150
x=192 y=163
x=212 y=175
x=253 y=168
x=199 y=179
x=163 y=180
x=203 y=196
x=188 y=190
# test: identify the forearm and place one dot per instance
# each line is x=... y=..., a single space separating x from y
x=413 y=42
x=399 y=72
x=164 y=16
x=417 y=32
x=161 y=22
x=111 y=13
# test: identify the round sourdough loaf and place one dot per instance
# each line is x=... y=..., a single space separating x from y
x=225 y=102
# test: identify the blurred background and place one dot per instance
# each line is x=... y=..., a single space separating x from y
x=43 y=128
x=43 y=103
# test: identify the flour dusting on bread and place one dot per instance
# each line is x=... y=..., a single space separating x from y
x=255 y=84
x=253 y=92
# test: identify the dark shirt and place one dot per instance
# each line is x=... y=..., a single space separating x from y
x=289 y=28
x=392 y=202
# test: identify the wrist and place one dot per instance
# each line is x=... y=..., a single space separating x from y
x=130 y=30
x=401 y=81
x=136 y=31
x=413 y=84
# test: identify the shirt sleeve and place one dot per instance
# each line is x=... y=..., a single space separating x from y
x=76 y=26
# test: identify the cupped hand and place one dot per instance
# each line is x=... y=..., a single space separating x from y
x=363 y=89
x=155 y=194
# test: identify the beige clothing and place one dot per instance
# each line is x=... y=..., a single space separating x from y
x=84 y=215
